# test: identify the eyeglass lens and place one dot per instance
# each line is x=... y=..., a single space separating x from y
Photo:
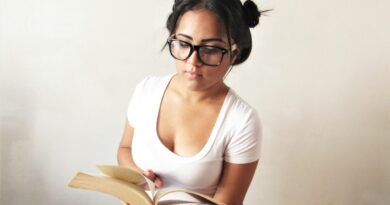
x=208 y=55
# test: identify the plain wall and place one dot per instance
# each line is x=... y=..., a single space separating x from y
x=318 y=76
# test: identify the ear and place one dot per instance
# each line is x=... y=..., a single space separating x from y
x=234 y=53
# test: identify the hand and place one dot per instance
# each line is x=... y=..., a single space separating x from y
x=154 y=177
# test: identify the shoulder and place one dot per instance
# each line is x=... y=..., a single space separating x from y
x=244 y=131
x=239 y=108
x=241 y=117
x=153 y=83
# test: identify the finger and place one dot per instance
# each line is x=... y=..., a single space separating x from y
x=154 y=177
x=159 y=183
x=150 y=174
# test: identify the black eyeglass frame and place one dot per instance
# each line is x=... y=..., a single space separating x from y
x=196 y=48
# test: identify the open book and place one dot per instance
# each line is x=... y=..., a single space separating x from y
x=126 y=184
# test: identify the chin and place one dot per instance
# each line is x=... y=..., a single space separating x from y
x=194 y=85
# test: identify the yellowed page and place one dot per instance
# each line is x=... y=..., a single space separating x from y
x=127 y=174
x=123 y=190
x=123 y=173
x=205 y=198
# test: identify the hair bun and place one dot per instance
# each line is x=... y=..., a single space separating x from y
x=251 y=13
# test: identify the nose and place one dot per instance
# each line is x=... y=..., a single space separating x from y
x=194 y=59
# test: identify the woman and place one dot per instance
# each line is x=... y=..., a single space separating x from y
x=189 y=129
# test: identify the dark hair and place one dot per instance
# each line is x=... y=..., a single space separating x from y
x=236 y=17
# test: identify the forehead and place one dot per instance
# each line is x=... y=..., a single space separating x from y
x=200 y=24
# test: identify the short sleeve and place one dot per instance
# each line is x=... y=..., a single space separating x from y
x=135 y=104
x=245 y=143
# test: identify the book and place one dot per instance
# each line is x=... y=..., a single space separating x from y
x=126 y=184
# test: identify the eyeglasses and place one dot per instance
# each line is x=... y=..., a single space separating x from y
x=208 y=55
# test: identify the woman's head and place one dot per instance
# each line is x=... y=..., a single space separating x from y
x=235 y=20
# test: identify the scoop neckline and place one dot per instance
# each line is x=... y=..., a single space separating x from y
x=206 y=147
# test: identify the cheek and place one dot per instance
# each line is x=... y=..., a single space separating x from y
x=226 y=63
x=179 y=64
x=217 y=72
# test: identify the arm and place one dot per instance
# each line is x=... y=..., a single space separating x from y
x=234 y=182
x=125 y=157
x=124 y=154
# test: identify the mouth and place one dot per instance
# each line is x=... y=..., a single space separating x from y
x=193 y=75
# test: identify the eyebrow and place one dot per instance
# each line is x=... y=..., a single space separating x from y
x=203 y=40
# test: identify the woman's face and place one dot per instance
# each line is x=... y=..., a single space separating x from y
x=202 y=27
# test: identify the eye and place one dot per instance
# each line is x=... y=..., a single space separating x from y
x=183 y=44
x=210 y=50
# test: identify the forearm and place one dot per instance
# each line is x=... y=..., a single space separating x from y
x=228 y=200
x=235 y=182
x=125 y=158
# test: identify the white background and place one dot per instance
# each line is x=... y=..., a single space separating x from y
x=319 y=76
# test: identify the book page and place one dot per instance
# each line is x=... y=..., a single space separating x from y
x=129 y=175
x=123 y=190
x=204 y=198
x=122 y=173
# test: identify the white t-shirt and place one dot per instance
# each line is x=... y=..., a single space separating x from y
x=235 y=138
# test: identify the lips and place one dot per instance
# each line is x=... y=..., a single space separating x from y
x=193 y=75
